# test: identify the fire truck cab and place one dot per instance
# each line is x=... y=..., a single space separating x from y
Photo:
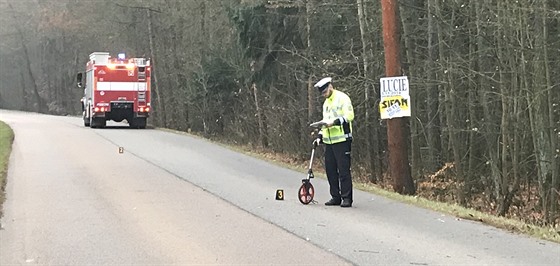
x=115 y=89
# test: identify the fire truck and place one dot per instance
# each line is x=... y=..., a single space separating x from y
x=115 y=89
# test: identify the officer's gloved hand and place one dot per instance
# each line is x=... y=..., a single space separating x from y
x=317 y=142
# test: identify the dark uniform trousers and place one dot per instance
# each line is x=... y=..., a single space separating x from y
x=337 y=166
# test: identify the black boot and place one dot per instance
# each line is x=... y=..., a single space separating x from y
x=333 y=202
x=346 y=203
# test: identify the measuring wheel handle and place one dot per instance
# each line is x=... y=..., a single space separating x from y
x=310 y=174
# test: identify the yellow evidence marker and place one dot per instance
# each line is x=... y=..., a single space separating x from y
x=279 y=194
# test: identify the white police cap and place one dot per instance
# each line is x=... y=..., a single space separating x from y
x=322 y=84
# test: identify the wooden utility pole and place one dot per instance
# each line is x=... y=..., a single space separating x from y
x=399 y=167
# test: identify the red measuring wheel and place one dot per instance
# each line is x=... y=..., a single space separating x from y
x=306 y=192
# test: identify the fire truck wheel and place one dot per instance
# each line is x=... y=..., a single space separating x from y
x=98 y=122
x=139 y=122
x=86 y=121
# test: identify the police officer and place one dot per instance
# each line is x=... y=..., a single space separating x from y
x=336 y=134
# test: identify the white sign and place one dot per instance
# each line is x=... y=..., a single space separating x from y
x=395 y=97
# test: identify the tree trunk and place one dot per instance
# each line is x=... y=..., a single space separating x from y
x=263 y=140
x=486 y=93
x=161 y=112
x=309 y=7
x=474 y=121
x=450 y=106
x=555 y=171
x=409 y=47
x=24 y=93
x=540 y=114
x=366 y=61
x=38 y=100
x=433 y=126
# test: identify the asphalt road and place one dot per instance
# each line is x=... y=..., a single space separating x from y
x=73 y=199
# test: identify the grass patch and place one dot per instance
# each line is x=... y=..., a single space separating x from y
x=6 y=139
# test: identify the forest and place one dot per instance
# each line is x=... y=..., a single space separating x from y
x=484 y=79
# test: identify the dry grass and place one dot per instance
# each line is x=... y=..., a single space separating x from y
x=6 y=139
x=510 y=224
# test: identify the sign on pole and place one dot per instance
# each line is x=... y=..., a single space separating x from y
x=395 y=97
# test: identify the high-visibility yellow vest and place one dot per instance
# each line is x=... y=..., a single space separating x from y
x=338 y=108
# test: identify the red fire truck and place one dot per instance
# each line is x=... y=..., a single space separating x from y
x=115 y=89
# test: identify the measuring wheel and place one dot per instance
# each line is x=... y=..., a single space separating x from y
x=306 y=192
